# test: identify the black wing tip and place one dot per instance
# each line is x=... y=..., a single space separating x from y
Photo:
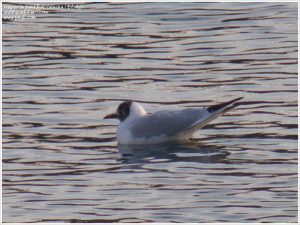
x=237 y=99
x=223 y=105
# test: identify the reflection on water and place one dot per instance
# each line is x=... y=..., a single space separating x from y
x=171 y=152
x=65 y=70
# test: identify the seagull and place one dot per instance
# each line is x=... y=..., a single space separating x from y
x=138 y=127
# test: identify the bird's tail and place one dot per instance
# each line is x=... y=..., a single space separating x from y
x=215 y=111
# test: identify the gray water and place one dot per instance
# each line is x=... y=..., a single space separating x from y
x=65 y=70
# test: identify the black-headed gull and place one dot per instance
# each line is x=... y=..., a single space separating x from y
x=138 y=127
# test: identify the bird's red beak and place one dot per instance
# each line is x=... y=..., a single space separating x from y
x=112 y=116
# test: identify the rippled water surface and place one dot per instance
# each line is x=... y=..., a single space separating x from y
x=65 y=70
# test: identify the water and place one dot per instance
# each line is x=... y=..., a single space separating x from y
x=65 y=70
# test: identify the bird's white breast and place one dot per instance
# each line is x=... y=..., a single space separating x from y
x=124 y=135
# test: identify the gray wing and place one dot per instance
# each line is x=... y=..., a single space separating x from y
x=169 y=123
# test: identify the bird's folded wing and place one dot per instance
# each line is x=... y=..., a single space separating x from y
x=168 y=123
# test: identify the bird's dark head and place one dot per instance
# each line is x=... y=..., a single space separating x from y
x=122 y=112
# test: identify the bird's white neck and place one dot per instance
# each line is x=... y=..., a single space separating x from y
x=123 y=134
x=136 y=110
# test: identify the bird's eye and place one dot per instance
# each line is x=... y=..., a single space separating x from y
x=121 y=113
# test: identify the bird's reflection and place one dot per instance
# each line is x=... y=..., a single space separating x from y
x=171 y=152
